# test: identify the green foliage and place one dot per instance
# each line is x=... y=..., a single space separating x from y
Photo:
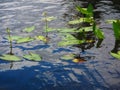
x=42 y=38
x=78 y=21
x=29 y=29
x=33 y=57
x=116 y=28
x=8 y=57
x=25 y=39
x=14 y=37
x=116 y=55
x=48 y=19
x=98 y=33
x=110 y=21
x=67 y=57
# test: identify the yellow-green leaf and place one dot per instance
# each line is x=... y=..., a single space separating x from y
x=8 y=57
x=29 y=29
x=67 y=57
x=24 y=40
x=33 y=57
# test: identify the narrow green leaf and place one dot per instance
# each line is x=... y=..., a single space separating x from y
x=14 y=37
x=82 y=10
x=70 y=42
x=116 y=55
x=24 y=40
x=29 y=29
x=67 y=57
x=33 y=57
x=110 y=21
x=90 y=10
x=49 y=18
x=42 y=38
x=8 y=57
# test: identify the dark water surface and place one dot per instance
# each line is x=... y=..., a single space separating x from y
x=100 y=71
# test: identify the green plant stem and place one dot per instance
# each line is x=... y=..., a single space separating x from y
x=10 y=41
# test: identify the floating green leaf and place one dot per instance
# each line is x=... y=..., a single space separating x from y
x=116 y=55
x=110 y=21
x=29 y=29
x=33 y=57
x=8 y=57
x=67 y=57
x=24 y=40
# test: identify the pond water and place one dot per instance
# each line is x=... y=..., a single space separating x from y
x=100 y=71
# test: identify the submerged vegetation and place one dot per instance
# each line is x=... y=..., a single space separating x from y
x=83 y=36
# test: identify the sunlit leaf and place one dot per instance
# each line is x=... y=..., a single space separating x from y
x=82 y=10
x=70 y=42
x=14 y=37
x=78 y=60
x=29 y=29
x=24 y=40
x=42 y=38
x=110 y=21
x=48 y=18
x=33 y=57
x=8 y=57
x=67 y=57
x=78 y=21
x=116 y=55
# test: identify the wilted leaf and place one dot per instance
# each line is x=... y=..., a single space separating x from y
x=24 y=40
x=8 y=57
x=78 y=60
x=33 y=57
x=67 y=57
x=29 y=29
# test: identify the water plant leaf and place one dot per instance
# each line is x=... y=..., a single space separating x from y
x=42 y=38
x=33 y=57
x=70 y=42
x=116 y=28
x=90 y=10
x=98 y=33
x=82 y=10
x=8 y=57
x=14 y=37
x=110 y=21
x=29 y=29
x=67 y=57
x=78 y=21
x=116 y=55
x=48 y=18
x=25 y=39
x=78 y=60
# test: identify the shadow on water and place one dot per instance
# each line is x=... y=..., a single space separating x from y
x=47 y=76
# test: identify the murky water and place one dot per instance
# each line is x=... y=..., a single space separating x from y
x=98 y=73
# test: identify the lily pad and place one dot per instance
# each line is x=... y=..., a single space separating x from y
x=33 y=57
x=8 y=57
x=29 y=29
x=24 y=40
